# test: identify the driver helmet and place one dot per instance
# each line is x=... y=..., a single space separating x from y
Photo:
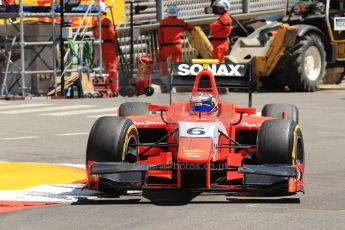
x=172 y=11
x=204 y=103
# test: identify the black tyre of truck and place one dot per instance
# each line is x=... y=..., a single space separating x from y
x=277 y=111
x=110 y=140
x=307 y=64
x=133 y=108
x=273 y=82
x=280 y=141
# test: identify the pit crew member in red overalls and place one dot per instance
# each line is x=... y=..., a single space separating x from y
x=221 y=29
x=170 y=32
x=109 y=37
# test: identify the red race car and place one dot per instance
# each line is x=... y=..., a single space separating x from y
x=201 y=145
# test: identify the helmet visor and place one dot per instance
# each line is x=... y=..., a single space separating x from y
x=202 y=107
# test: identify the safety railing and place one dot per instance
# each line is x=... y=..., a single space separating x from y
x=262 y=5
x=147 y=42
x=191 y=9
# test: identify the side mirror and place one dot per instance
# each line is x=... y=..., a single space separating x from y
x=157 y=108
x=245 y=110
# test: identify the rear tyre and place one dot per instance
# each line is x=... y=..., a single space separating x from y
x=133 y=108
x=307 y=64
x=277 y=110
x=111 y=139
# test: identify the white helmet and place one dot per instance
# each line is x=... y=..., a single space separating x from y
x=172 y=11
x=103 y=7
x=223 y=4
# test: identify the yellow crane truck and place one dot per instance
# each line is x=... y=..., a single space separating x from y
x=304 y=49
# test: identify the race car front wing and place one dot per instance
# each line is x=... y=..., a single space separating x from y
x=257 y=178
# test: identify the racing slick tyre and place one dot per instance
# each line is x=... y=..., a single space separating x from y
x=280 y=142
x=277 y=110
x=306 y=64
x=133 y=108
x=111 y=139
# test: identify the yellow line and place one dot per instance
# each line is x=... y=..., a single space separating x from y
x=16 y=176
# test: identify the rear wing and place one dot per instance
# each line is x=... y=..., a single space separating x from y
x=227 y=75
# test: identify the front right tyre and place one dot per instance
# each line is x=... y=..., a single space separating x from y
x=280 y=142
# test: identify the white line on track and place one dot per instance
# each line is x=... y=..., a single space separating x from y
x=22 y=106
x=47 y=109
x=18 y=138
x=325 y=132
x=102 y=115
x=64 y=193
x=71 y=134
x=69 y=113
x=72 y=165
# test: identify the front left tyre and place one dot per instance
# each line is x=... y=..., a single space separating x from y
x=112 y=139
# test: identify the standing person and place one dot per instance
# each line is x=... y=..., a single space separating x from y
x=170 y=33
x=221 y=29
x=109 y=37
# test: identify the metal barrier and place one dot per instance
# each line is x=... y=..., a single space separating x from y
x=263 y=5
x=147 y=42
x=191 y=9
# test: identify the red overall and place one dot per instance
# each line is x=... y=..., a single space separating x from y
x=9 y=2
x=109 y=52
x=221 y=30
x=170 y=33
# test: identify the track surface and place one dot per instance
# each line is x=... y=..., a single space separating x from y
x=30 y=136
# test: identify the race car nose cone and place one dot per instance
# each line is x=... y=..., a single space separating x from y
x=195 y=150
